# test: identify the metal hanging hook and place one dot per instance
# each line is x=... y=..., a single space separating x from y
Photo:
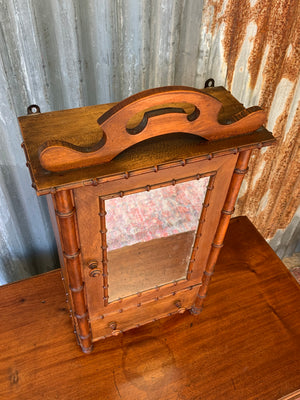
x=209 y=83
x=33 y=109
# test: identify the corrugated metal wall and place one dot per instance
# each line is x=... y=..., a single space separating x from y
x=64 y=54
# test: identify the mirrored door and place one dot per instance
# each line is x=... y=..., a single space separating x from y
x=150 y=236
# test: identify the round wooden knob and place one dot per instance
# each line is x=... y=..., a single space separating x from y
x=113 y=326
x=178 y=304
x=93 y=264
x=95 y=272
x=116 y=332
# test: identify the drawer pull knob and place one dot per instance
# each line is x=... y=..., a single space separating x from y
x=93 y=265
x=178 y=304
x=113 y=327
x=95 y=272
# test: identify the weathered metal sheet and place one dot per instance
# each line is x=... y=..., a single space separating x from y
x=261 y=50
x=64 y=54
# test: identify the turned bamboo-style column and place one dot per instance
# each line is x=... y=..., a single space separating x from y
x=240 y=170
x=66 y=215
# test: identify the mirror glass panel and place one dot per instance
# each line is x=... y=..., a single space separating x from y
x=150 y=236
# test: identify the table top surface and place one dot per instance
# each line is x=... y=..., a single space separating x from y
x=244 y=345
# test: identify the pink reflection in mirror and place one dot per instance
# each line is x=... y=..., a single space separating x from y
x=161 y=212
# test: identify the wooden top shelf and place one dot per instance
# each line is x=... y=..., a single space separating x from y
x=79 y=127
x=244 y=345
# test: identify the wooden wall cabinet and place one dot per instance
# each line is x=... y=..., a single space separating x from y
x=140 y=193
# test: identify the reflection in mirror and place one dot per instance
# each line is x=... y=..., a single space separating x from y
x=150 y=236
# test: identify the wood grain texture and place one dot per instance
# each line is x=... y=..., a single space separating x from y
x=87 y=205
x=58 y=155
x=83 y=131
x=245 y=345
x=80 y=210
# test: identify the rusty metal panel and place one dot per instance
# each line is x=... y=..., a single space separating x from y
x=261 y=50
x=64 y=54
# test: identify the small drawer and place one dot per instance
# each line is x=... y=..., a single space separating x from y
x=112 y=324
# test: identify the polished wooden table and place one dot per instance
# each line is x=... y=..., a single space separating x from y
x=244 y=345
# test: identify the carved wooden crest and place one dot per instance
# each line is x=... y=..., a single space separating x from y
x=158 y=112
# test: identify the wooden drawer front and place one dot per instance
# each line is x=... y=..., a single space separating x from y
x=135 y=316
